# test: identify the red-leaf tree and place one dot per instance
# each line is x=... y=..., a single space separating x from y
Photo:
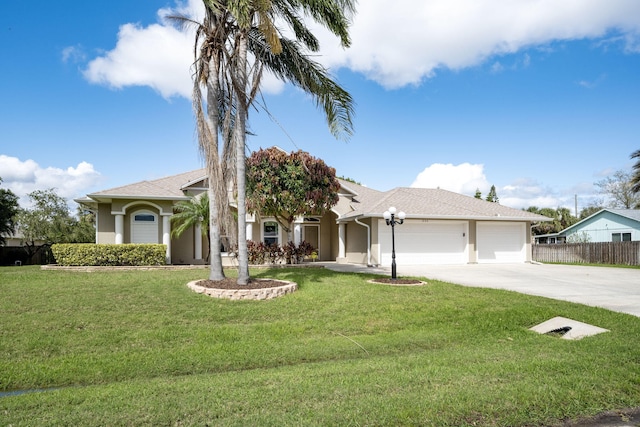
x=285 y=186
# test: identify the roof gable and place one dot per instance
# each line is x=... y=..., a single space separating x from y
x=169 y=188
x=626 y=214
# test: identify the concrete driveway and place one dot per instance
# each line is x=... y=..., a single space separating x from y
x=616 y=289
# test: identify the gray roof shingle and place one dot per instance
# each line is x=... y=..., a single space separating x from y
x=358 y=200
x=169 y=187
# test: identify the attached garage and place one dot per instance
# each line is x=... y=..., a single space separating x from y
x=501 y=242
x=420 y=242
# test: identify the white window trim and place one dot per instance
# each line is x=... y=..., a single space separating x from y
x=262 y=225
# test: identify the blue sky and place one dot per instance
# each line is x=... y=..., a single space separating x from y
x=541 y=101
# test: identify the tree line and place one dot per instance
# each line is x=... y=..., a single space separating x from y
x=46 y=221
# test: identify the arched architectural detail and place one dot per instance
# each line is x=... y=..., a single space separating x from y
x=137 y=203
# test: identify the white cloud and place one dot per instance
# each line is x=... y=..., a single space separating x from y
x=464 y=178
x=396 y=45
x=521 y=194
x=23 y=177
x=159 y=56
x=73 y=54
x=410 y=41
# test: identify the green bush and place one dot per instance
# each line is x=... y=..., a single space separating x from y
x=85 y=254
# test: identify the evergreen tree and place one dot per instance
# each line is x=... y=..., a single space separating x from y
x=492 y=196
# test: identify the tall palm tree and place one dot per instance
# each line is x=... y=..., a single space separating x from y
x=211 y=113
x=635 y=179
x=285 y=58
x=188 y=214
x=232 y=28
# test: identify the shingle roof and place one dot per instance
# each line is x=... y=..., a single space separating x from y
x=164 y=188
x=437 y=203
x=358 y=201
x=633 y=214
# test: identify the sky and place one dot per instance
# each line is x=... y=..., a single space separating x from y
x=540 y=98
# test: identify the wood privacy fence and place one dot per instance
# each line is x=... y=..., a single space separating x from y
x=625 y=253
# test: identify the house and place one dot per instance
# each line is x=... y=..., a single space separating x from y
x=606 y=225
x=441 y=227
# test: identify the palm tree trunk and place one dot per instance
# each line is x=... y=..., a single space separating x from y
x=240 y=138
x=217 y=193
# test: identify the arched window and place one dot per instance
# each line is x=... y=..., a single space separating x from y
x=144 y=227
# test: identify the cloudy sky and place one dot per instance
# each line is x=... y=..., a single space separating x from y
x=540 y=98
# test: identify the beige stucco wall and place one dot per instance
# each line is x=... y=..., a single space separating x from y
x=106 y=225
x=327 y=233
x=356 y=243
x=473 y=253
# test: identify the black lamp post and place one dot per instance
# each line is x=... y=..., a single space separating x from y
x=390 y=217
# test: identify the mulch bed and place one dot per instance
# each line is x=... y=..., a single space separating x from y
x=231 y=283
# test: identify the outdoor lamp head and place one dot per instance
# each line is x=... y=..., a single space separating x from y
x=387 y=215
x=392 y=210
x=402 y=215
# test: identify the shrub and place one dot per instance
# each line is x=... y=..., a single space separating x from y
x=295 y=254
x=260 y=253
x=90 y=254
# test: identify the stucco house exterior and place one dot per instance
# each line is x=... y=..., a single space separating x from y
x=606 y=225
x=441 y=227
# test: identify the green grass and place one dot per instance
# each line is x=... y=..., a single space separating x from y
x=139 y=348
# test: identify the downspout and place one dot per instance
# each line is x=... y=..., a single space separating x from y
x=368 y=241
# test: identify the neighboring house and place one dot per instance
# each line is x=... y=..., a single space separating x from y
x=17 y=240
x=441 y=227
x=606 y=225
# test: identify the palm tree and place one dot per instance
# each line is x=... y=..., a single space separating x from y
x=191 y=213
x=211 y=113
x=635 y=179
x=285 y=58
x=228 y=32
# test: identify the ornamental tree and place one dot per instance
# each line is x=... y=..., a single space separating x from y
x=285 y=186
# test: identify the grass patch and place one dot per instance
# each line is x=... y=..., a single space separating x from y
x=140 y=348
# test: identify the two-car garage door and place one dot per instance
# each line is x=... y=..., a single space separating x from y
x=447 y=242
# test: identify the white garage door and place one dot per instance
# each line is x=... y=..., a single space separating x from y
x=144 y=227
x=418 y=243
x=501 y=242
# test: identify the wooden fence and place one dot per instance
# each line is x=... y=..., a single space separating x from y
x=624 y=253
x=14 y=255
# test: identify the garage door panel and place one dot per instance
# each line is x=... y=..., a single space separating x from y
x=420 y=243
x=501 y=242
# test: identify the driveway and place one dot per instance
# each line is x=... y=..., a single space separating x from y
x=616 y=289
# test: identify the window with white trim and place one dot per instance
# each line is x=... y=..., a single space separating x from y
x=620 y=237
x=270 y=233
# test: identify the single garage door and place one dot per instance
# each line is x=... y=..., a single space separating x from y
x=501 y=242
x=419 y=243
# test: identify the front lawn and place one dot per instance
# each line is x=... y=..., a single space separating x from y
x=139 y=348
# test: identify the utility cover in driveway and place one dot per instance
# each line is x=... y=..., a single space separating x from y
x=568 y=329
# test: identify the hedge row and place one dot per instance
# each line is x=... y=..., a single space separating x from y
x=91 y=254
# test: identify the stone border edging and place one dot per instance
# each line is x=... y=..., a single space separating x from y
x=245 y=294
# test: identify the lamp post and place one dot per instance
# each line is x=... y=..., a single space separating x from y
x=390 y=217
